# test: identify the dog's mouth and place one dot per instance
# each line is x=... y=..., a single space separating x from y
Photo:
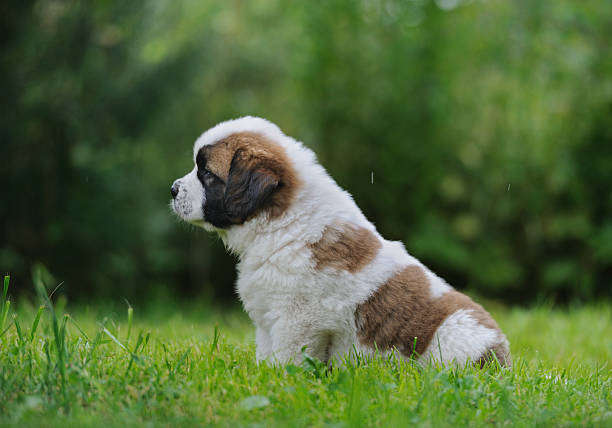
x=183 y=210
x=173 y=208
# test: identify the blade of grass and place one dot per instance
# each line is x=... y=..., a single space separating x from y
x=58 y=334
x=55 y=289
x=73 y=321
x=97 y=340
x=134 y=355
x=5 y=303
x=18 y=328
x=7 y=278
x=41 y=308
x=182 y=359
x=114 y=339
x=6 y=329
x=215 y=341
x=130 y=317
x=5 y=310
x=48 y=355
x=138 y=342
x=63 y=331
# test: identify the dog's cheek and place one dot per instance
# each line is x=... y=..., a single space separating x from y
x=213 y=207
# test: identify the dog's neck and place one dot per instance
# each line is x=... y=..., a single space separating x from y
x=315 y=206
x=262 y=236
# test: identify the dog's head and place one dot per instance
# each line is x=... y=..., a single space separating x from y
x=241 y=171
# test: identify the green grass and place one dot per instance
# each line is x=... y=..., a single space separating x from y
x=195 y=365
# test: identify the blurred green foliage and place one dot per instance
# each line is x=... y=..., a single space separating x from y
x=486 y=125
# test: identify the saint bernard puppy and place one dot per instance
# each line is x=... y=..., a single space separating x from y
x=313 y=271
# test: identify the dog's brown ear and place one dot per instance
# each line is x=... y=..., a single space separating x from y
x=251 y=181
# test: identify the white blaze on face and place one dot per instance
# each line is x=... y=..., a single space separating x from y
x=189 y=201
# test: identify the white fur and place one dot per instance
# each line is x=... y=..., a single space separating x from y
x=291 y=303
x=190 y=199
x=460 y=338
x=438 y=285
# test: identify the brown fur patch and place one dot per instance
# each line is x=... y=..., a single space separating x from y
x=250 y=152
x=402 y=309
x=219 y=157
x=345 y=247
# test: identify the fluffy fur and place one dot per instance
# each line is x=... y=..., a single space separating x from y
x=303 y=277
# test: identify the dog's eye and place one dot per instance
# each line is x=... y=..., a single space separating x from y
x=205 y=174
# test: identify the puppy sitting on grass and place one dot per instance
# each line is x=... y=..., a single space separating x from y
x=313 y=270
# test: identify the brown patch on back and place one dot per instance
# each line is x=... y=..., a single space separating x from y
x=345 y=247
x=402 y=309
x=246 y=153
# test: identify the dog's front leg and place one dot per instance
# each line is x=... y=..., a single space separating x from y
x=263 y=343
x=290 y=336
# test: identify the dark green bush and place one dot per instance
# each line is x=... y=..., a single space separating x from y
x=486 y=125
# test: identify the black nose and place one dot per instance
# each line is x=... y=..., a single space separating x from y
x=174 y=190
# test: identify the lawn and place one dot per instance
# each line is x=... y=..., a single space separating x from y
x=183 y=365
